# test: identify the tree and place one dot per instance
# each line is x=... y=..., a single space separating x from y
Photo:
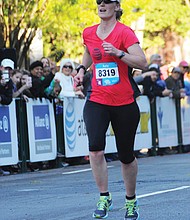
x=73 y=17
x=62 y=23
x=19 y=21
x=167 y=22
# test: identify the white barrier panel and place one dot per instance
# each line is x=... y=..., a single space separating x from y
x=143 y=137
x=42 y=133
x=76 y=142
x=166 y=122
x=74 y=127
x=8 y=135
x=185 y=119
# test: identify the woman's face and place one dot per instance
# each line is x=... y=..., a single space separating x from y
x=45 y=62
x=37 y=71
x=16 y=77
x=24 y=79
x=67 y=69
x=106 y=11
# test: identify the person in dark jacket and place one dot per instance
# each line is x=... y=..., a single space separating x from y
x=174 y=83
x=150 y=86
x=6 y=90
x=38 y=83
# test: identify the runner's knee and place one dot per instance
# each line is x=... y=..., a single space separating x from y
x=126 y=159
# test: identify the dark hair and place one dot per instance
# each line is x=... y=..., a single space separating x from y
x=1 y=75
x=154 y=69
x=15 y=71
x=35 y=64
x=119 y=14
x=25 y=72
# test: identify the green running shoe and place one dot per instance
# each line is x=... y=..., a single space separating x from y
x=103 y=206
x=132 y=212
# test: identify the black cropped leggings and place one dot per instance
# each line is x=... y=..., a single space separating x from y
x=124 y=120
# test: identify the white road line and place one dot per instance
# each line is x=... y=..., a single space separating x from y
x=80 y=171
x=27 y=190
x=163 y=191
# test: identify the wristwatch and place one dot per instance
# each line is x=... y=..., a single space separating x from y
x=81 y=67
x=122 y=54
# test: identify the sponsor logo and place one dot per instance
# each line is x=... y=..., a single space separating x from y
x=42 y=122
x=97 y=54
x=4 y=124
x=70 y=125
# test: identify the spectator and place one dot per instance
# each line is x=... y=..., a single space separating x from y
x=139 y=76
x=25 y=84
x=150 y=86
x=66 y=80
x=136 y=73
x=6 y=91
x=173 y=83
x=45 y=61
x=46 y=66
x=5 y=99
x=39 y=84
x=184 y=67
x=18 y=89
x=156 y=59
x=46 y=71
x=7 y=64
x=56 y=89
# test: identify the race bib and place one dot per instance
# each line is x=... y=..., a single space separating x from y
x=107 y=74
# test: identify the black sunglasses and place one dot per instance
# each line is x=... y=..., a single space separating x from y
x=105 y=1
x=70 y=67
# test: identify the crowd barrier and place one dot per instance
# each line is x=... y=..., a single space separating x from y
x=36 y=130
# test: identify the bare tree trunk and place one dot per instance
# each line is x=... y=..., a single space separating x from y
x=2 y=41
x=170 y=40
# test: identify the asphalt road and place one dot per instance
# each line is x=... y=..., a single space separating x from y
x=163 y=189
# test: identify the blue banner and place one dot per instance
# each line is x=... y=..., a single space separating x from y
x=5 y=132
x=41 y=118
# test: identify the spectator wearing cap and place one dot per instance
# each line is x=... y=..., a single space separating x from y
x=174 y=83
x=184 y=67
x=39 y=84
x=156 y=58
x=7 y=64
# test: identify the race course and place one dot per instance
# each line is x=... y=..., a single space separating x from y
x=163 y=189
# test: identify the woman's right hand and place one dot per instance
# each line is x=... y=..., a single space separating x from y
x=78 y=79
